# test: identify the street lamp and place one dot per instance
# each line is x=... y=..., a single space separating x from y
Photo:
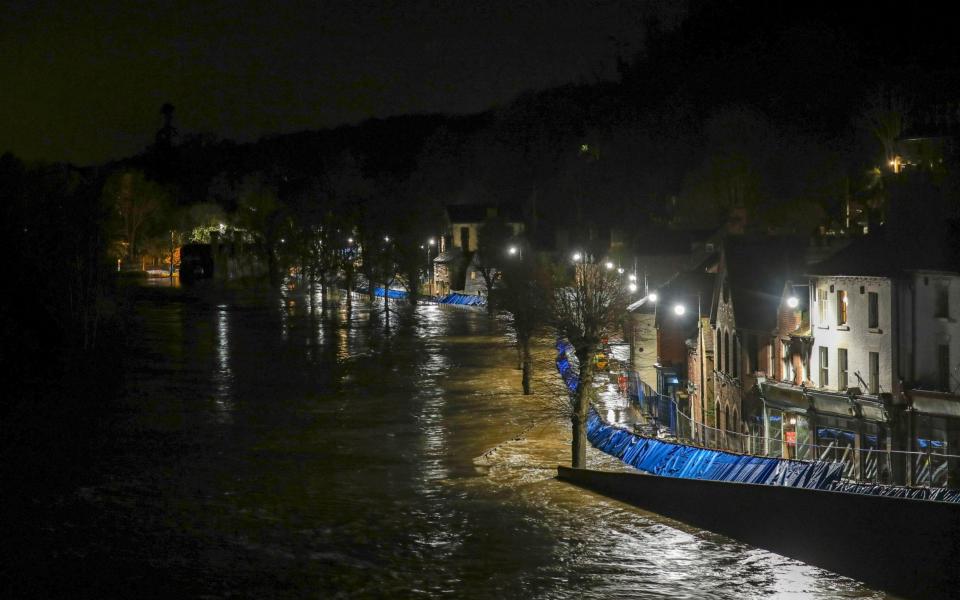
x=632 y=287
x=577 y=256
x=632 y=277
x=652 y=296
x=429 y=247
x=793 y=302
x=679 y=309
x=609 y=265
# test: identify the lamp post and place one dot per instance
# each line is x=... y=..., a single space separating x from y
x=429 y=247
x=515 y=251
x=679 y=309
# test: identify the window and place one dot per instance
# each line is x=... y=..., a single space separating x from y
x=735 y=359
x=943 y=367
x=465 y=238
x=822 y=306
x=787 y=374
x=942 y=301
x=824 y=366
x=726 y=352
x=874 y=382
x=718 y=350
x=841 y=307
x=842 y=369
x=873 y=310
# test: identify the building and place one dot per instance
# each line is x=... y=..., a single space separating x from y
x=745 y=319
x=870 y=375
x=456 y=267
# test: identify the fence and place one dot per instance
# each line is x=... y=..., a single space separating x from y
x=850 y=471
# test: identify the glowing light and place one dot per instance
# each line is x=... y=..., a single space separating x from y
x=632 y=277
x=432 y=241
x=386 y=238
x=513 y=250
x=620 y=270
x=632 y=287
x=652 y=297
x=349 y=240
x=679 y=309
x=577 y=256
x=609 y=265
x=793 y=302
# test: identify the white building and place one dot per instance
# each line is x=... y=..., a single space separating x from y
x=886 y=330
x=851 y=320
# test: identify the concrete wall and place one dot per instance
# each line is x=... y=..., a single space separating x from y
x=909 y=547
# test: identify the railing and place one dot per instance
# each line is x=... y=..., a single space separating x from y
x=871 y=464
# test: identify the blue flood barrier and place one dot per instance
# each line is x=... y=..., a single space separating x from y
x=673 y=459
x=463 y=300
x=392 y=294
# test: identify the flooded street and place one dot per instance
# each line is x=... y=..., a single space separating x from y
x=272 y=450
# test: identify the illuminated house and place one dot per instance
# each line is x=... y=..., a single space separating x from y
x=455 y=267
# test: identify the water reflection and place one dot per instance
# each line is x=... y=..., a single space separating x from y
x=344 y=462
x=223 y=376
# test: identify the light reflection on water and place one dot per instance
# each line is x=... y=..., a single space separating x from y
x=402 y=465
x=223 y=377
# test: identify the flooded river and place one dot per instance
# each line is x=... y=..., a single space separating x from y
x=273 y=450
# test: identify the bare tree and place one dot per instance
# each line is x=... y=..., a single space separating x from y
x=585 y=311
x=525 y=293
x=492 y=239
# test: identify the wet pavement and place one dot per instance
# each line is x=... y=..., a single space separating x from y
x=271 y=449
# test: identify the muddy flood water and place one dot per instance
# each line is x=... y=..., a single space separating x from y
x=270 y=449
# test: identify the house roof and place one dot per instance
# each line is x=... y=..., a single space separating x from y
x=687 y=288
x=880 y=256
x=756 y=271
x=451 y=255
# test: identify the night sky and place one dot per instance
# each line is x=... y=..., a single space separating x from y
x=85 y=83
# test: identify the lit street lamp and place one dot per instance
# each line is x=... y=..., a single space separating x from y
x=429 y=247
x=793 y=302
x=652 y=296
x=609 y=265
x=632 y=287
x=577 y=256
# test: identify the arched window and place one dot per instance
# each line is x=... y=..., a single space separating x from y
x=735 y=359
x=726 y=418
x=726 y=352
x=716 y=414
x=718 y=347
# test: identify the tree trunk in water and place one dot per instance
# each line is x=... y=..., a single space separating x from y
x=580 y=410
x=386 y=308
x=349 y=295
x=527 y=368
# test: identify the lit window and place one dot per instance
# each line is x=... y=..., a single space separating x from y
x=822 y=306
x=841 y=307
